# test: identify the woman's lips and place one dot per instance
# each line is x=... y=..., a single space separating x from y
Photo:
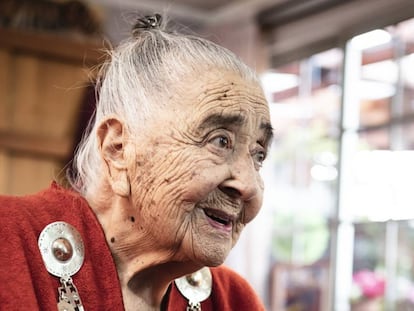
x=219 y=219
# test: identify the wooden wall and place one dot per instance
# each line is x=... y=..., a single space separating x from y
x=43 y=79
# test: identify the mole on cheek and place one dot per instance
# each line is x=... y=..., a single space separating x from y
x=112 y=240
x=132 y=218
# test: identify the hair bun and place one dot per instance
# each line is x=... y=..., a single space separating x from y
x=146 y=23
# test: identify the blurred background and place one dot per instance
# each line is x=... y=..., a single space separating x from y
x=336 y=231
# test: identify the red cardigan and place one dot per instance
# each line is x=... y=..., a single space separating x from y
x=25 y=283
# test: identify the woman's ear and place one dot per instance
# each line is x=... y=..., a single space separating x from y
x=112 y=143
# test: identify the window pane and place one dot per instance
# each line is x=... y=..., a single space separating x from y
x=301 y=185
x=408 y=83
x=374 y=140
x=408 y=135
x=375 y=81
x=377 y=88
x=369 y=282
x=380 y=187
x=403 y=32
x=378 y=136
x=404 y=289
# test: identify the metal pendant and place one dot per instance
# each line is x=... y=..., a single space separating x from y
x=63 y=253
x=196 y=287
x=62 y=249
x=69 y=299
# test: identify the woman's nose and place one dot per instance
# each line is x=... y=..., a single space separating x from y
x=245 y=185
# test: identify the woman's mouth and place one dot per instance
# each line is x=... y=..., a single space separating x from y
x=219 y=219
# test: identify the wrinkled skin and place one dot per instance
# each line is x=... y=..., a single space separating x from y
x=186 y=185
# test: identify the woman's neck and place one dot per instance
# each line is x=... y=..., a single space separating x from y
x=147 y=287
x=144 y=270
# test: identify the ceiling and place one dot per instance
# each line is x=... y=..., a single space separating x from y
x=194 y=11
x=293 y=28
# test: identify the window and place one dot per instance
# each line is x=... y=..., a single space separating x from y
x=305 y=102
x=341 y=171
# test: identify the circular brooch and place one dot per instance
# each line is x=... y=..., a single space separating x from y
x=196 y=287
x=62 y=249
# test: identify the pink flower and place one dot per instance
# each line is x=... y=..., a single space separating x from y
x=371 y=284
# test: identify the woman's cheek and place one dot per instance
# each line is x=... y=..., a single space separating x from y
x=200 y=187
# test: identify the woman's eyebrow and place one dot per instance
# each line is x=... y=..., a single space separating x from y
x=268 y=133
x=223 y=120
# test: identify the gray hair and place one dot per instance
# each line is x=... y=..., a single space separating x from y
x=140 y=76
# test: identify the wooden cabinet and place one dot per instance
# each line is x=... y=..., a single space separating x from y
x=43 y=79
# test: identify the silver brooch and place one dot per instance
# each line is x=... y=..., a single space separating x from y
x=63 y=253
x=196 y=287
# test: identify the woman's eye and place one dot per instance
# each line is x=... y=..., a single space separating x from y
x=221 y=142
x=259 y=157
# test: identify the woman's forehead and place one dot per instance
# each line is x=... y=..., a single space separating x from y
x=212 y=98
x=218 y=87
x=221 y=98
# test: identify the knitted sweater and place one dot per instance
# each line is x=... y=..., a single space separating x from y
x=25 y=283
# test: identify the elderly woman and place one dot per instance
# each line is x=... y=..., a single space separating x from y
x=166 y=179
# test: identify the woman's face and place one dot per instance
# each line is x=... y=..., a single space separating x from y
x=195 y=181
